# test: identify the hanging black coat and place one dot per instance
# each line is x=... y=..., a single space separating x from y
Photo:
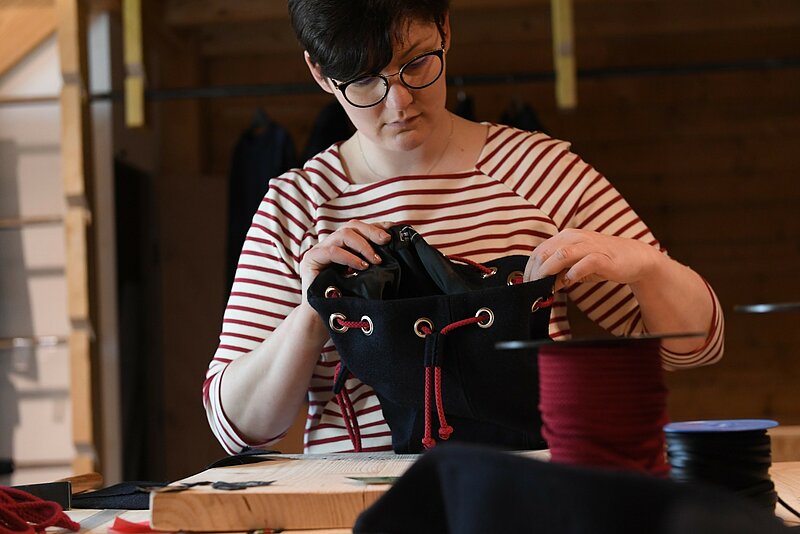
x=265 y=149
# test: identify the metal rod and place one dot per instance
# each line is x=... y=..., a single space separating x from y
x=231 y=91
x=18 y=222
x=24 y=342
x=28 y=100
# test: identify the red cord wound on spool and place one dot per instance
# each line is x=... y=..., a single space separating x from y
x=605 y=405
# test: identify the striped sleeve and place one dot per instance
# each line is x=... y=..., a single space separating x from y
x=712 y=349
x=547 y=174
x=601 y=208
x=265 y=290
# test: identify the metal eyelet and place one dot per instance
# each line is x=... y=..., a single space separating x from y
x=335 y=327
x=492 y=272
x=368 y=330
x=489 y=322
x=332 y=292
x=418 y=324
x=513 y=276
x=535 y=305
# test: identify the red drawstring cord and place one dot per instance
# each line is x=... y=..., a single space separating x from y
x=351 y=324
x=427 y=440
x=445 y=430
x=348 y=412
x=482 y=268
x=23 y=513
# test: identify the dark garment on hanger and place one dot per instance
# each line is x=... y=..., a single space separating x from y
x=521 y=115
x=467 y=489
x=331 y=126
x=264 y=150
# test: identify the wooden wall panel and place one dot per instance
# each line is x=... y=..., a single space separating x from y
x=706 y=156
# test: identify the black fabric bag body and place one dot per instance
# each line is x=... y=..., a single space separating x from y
x=466 y=489
x=420 y=329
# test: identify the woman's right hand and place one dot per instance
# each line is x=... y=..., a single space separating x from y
x=349 y=245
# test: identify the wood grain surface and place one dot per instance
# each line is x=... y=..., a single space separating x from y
x=308 y=492
x=315 y=492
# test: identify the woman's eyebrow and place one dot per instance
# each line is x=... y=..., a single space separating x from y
x=413 y=50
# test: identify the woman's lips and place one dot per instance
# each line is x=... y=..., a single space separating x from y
x=402 y=124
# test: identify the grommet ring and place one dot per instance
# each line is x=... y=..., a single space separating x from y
x=513 y=276
x=535 y=305
x=368 y=329
x=418 y=326
x=337 y=327
x=489 y=321
x=332 y=292
x=491 y=272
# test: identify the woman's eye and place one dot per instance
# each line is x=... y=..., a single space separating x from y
x=418 y=63
x=363 y=82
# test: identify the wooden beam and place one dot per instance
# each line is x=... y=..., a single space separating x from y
x=24 y=24
x=202 y=12
x=564 y=54
x=213 y=12
x=134 y=63
x=76 y=168
x=102 y=6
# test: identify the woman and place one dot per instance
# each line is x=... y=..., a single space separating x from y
x=470 y=189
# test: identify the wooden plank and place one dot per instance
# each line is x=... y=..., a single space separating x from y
x=785 y=443
x=134 y=63
x=73 y=142
x=199 y=12
x=637 y=17
x=81 y=399
x=76 y=170
x=76 y=268
x=23 y=24
x=786 y=476
x=102 y=6
x=211 y=12
x=308 y=492
x=564 y=54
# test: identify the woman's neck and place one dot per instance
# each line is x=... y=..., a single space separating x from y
x=459 y=145
x=408 y=164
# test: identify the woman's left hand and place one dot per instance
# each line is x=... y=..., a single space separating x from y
x=584 y=256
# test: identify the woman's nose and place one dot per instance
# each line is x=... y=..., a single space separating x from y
x=399 y=96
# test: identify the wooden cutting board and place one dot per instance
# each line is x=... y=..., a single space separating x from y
x=308 y=492
x=786 y=476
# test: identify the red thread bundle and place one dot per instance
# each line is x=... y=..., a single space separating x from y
x=605 y=404
x=23 y=513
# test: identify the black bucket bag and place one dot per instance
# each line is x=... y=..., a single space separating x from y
x=420 y=328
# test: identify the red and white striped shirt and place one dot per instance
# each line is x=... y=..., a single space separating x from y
x=525 y=188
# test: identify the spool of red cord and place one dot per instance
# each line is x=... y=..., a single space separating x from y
x=604 y=404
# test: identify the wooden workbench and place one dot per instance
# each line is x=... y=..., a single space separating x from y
x=311 y=493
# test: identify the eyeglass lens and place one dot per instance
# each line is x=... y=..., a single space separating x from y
x=416 y=74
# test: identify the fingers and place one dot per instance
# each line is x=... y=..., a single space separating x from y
x=385 y=224
x=351 y=245
x=574 y=256
x=553 y=256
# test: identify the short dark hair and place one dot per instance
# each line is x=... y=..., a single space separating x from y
x=347 y=38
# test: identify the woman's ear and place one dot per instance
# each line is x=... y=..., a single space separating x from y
x=321 y=80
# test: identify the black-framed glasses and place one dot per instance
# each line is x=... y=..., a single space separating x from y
x=418 y=73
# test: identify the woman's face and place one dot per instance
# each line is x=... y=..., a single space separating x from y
x=406 y=117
